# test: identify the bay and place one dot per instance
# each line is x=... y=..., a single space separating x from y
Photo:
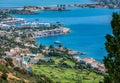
x=88 y=26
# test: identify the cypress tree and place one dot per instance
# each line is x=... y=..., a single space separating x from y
x=112 y=60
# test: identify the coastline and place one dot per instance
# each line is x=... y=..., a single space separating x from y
x=62 y=7
x=62 y=60
x=45 y=35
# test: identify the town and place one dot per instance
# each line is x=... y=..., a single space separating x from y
x=27 y=31
x=17 y=42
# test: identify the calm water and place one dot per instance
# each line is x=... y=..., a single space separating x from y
x=88 y=26
x=40 y=2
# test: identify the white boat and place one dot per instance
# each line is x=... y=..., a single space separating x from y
x=57 y=42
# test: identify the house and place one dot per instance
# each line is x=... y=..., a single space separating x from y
x=15 y=50
x=77 y=58
x=4 y=26
x=60 y=48
x=101 y=67
x=94 y=64
x=87 y=61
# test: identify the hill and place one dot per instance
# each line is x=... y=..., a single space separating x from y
x=11 y=74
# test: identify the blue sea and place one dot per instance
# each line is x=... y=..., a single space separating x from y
x=40 y=2
x=88 y=26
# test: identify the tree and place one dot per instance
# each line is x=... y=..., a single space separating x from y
x=10 y=61
x=112 y=60
x=4 y=76
x=41 y=46
x=79 y=80
x=51 y=61
x=60 y=45
x=51 y=47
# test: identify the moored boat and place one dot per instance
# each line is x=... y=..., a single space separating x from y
x=57 y=42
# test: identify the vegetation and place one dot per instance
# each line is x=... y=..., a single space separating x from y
x=67 y=75
x=61 y=68
x=57 y=65
x=112 y=60
x=4 y=76
x=9 y=74
x=9 y=60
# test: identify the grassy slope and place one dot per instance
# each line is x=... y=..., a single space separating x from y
x=66 y=75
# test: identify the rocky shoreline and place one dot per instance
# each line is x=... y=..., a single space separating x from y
x=17 y=12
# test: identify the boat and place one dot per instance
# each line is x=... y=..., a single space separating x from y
x=82 y=53
x=57 y=42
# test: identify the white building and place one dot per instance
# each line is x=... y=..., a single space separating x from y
x=4 y=26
